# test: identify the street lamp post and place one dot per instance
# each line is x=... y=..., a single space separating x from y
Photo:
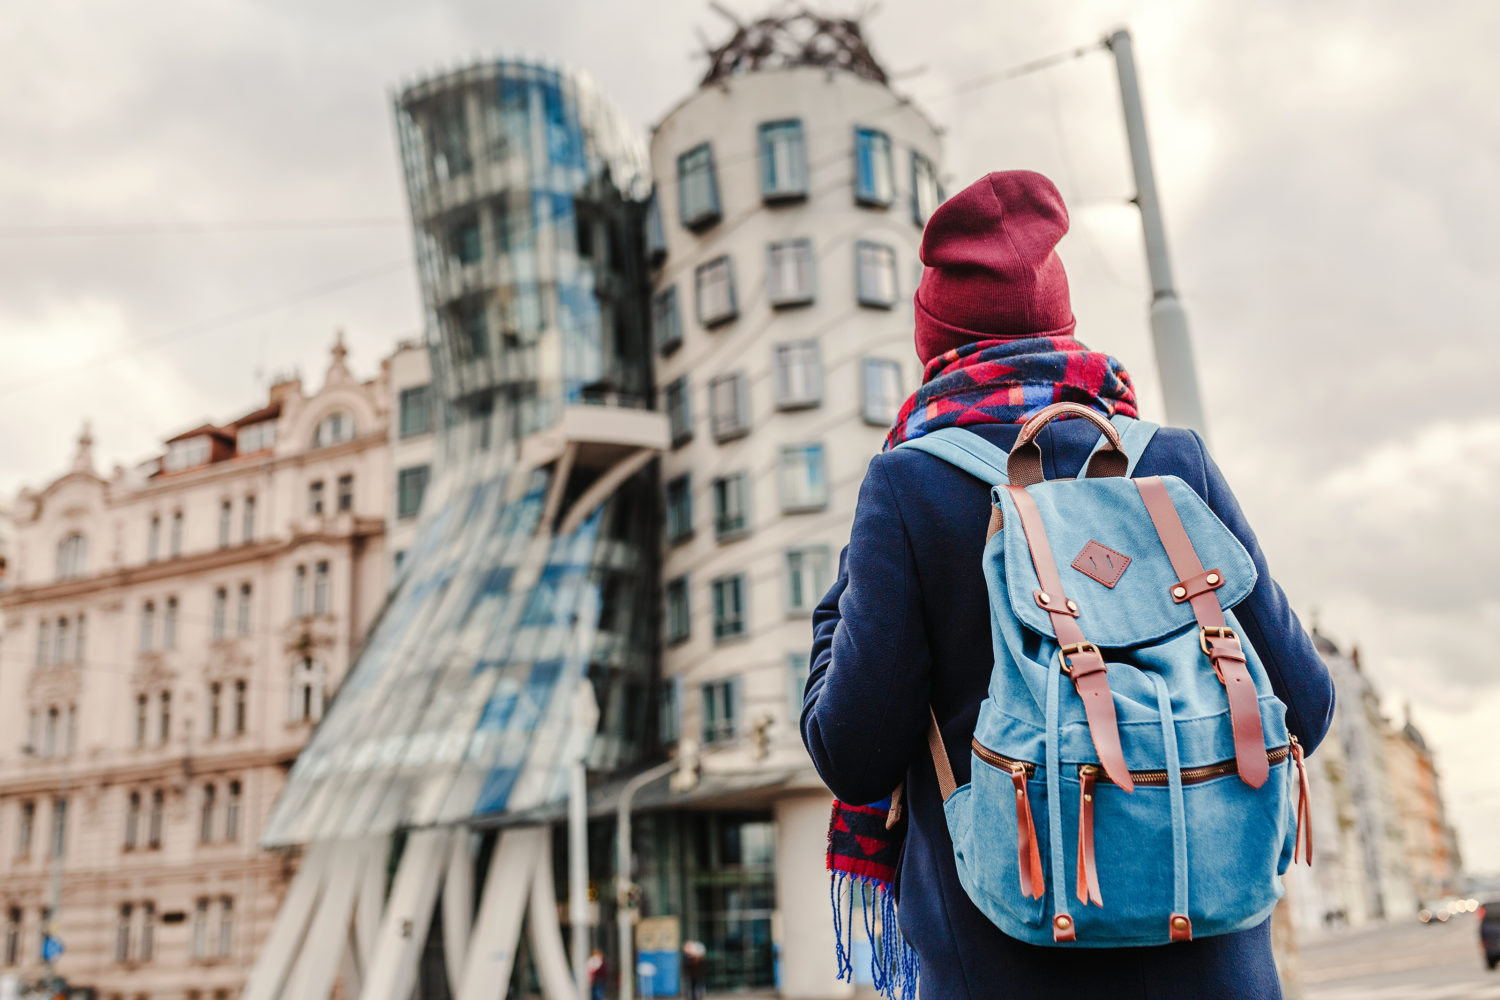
x=1169 y=327
x=58 y=837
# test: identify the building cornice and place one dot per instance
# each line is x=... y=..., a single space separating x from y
x=53 y=778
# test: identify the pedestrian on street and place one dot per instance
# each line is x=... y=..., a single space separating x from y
x=693 y=954
x=907 y=624
x=598 y=970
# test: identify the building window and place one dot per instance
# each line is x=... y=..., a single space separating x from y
x=186 y=454
x=60 y=639
x=142 y=712
x=799 y=375
x=241 y=708
x=333 y=429
x=679 y=406
x=731 y=506
x=789 y=273
x=464 y=244
x=720 y=709
x=169 y=624
x=656 y=233
x=666 y=321
x=315 y=497
x=679 y=508
x=783 y=161
x=874 y=182
x=80 y=644
x=299 y=592
x=247 y=519
x=729 y=606
x=243 y=623
x=255 y=437
x=132 y=821
x=25 y=828
x=221 y=613
x=797 y=670
x=153 y=540
x=13 y=935
x=215 y=708
x=43 y=642
x=59 y=826
x=345 y=493
x=177 y=527
x=148 y=626
x=729 y=406
x=470 y=328
x=416 y=410
x=875 y=274
x=226 y=927
x=320 y=589
x=232 y=811
x=226 y=520
x=164 y=717
x=697 y=188
x=72 y=557
x=881 y=385
x=49 y=734
x=411 y=485
x=70 y=740
x=808 y=576
x=200 y=929
x=448 y=131
x=715 y=284
x=678 y=624
x=206 y=815
x=154 y=819
x=804 y=485
x=122 y=933
x=307 y=691
x=925 y=195
x=148 y=932
x=669 y=711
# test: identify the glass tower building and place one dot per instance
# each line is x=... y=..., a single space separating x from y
x=527 y=195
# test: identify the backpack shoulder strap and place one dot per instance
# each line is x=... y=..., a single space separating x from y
x=965 y=449
x=1135 y=435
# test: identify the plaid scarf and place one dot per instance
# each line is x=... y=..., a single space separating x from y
x=986 y=382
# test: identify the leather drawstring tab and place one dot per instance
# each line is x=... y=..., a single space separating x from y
x=1088 y=873
x=1304 y=807
x=1029 y=854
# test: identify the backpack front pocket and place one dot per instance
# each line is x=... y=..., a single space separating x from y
x=1000 y=840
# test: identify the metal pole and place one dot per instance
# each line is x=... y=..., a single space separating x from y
x=1169 y=327
x=625 y=913
x=585 y=720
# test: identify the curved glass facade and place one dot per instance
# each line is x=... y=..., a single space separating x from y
x=527 y=195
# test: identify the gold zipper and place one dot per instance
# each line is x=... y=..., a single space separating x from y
x=1190 y=775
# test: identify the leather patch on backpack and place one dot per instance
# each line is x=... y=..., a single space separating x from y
x=1102 y=563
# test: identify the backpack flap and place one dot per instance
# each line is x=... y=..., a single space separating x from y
x=1111 y=561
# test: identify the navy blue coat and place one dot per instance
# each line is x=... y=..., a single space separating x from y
x=907 y=625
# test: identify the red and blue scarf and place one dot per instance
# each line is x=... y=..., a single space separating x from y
x=986 y=382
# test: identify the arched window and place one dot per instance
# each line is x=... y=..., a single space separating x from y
x=132 y=821
x=72 y=556
x=206 y=817
x=307 y=691
x=334 y=428
x=232 y=811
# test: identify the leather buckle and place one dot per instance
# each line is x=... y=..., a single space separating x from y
x=1206 y=632
x=1078 y=649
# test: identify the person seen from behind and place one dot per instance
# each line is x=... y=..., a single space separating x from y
x=907 y=624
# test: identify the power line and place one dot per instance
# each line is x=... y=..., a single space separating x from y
x=218 y=323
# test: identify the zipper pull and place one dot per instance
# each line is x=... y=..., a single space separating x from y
x=1304 y=805
x=1028 y=853
x=1088 y=873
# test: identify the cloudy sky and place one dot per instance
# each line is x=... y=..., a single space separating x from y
x=195 y=195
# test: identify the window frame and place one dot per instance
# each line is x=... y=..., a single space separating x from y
x=665 y=304
x=866 y=367
x=719 y=723
x=788 y=505
x=678 y=494
x=677 y=591
x=866 y=190
x=868 y=297
x=725 y=628
x=723 y=425
x=710 y=212
x=422 y=476
x=740 y=481
x=677 y=401
x=731 y=310
x=918 y=160
x=785 y=356
x=821 y=578
x=773 y=193
x=414 y=399
x=779 y=298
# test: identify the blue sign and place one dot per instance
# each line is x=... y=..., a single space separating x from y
x=52 y=948
x=664 y=979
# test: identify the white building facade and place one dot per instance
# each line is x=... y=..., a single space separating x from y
x=789 y=208
x=171 y=638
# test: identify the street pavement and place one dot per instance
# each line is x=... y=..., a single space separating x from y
x=1404 y=961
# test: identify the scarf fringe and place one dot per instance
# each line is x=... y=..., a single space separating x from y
x=894 y=969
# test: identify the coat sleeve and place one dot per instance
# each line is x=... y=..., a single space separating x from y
x=864 y=713
x=1298 y=674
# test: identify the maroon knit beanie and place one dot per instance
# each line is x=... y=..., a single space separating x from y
x=991 y=269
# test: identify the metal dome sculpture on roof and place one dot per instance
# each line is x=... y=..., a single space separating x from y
x=798 y=37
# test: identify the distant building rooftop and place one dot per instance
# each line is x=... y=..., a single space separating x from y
x=796 y=38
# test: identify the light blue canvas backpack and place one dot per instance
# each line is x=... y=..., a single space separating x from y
x=1131 y=756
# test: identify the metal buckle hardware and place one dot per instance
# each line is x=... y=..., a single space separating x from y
x=1205 y=632
x=1073 y=649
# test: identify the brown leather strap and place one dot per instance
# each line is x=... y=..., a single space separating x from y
x=1029 y=853
x=1081 y=658
x=1088 y=871
x=1220 y=644
x=894 y=813
x=1180 y=927
x=940 y=762
x=1024 y=467
x=1304 y=808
